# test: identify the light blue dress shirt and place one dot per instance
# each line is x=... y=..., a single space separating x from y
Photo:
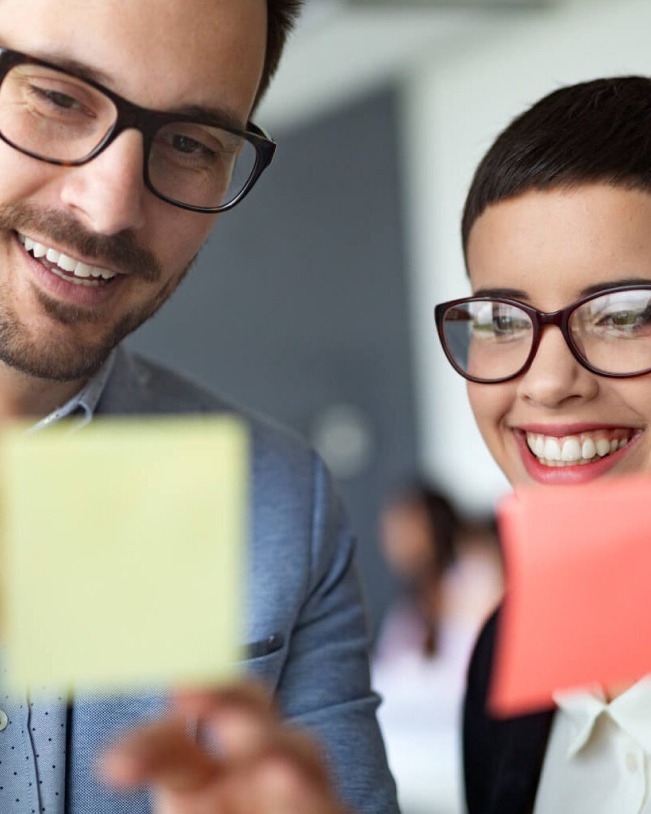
x=33 y=728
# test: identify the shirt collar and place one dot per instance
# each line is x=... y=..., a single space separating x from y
x=582 y=708
x=82 y=406
x=631 y=711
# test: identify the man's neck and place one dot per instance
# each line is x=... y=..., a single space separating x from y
x=24 y=396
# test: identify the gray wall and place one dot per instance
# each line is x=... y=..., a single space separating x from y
x=299 y=303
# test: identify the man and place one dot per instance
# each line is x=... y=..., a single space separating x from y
x=125 y=131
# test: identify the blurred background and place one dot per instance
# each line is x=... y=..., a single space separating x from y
x=312 y=301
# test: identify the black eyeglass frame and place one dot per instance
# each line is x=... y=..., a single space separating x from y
x=148 y=123
x=539 y=319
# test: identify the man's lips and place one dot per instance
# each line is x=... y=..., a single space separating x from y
x=65 y=266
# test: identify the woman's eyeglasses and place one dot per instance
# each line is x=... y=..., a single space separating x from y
x=491 y=339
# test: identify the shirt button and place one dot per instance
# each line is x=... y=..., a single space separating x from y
x=631 y=762
x=4 y=720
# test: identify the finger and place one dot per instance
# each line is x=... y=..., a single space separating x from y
x=287 y=788
x=246 y=694
x=237 y=720
x=300 y=755
x=159 y=754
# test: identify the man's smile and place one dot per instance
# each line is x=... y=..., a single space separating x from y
x=67 y=267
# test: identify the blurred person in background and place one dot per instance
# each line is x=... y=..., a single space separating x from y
x=449 y=573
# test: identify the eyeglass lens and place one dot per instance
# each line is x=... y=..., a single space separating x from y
x=491 y=340
x=57 y=117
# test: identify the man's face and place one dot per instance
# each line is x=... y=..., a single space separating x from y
x=171 y=56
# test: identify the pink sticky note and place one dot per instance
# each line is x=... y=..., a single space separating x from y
x=577 y=604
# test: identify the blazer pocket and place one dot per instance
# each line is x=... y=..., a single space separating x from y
x=264 y=647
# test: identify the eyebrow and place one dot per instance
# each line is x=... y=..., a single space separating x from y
x=595 y=289
x=80 y=69
x=504 y=293
x=219 y=115
x=518 y=294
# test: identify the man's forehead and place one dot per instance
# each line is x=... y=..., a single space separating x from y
x=199 y=53
x=60 y=59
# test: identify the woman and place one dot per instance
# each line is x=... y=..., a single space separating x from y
x=556 y=346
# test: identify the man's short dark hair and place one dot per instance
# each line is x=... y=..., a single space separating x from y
x=281 y=16
x=593 y=132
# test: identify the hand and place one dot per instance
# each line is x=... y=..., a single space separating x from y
x=261 y=766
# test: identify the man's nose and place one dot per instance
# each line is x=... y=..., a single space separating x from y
x=107 y=195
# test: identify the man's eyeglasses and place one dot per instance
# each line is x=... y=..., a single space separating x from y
x=194 y=162
x=490 y=339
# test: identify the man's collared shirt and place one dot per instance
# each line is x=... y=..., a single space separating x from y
x=33 y=729
x=598 y=755
x=80 y=408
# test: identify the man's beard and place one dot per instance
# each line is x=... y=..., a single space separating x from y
x=62 y=357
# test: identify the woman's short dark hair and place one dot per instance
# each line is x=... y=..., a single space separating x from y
x=592 y=132
x=281 y=16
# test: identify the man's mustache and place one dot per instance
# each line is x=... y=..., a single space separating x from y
x=119 y=252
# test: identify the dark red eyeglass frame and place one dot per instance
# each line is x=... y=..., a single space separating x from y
x=539 y=319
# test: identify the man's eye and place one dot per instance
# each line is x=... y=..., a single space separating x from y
x=62 y=100
x=57 y=99
x=190 y=146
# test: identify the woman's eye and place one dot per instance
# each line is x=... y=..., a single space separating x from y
x=626 y=319
x=503 y=323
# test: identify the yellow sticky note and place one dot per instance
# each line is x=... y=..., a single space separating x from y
x=123 y=552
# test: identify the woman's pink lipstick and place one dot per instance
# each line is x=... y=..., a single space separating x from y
x=568 y=473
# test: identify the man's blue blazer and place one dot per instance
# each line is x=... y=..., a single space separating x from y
x=305 y=622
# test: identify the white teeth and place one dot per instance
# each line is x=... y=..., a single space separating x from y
x=82 y=270
x=571 y=450
x=552 y=449
x=574 y=449
x=73 y=280
x=66 y=263
x=589 y=449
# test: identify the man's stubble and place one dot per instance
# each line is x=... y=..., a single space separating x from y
x=60 y=357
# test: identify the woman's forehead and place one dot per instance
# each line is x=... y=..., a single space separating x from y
x=560 y=242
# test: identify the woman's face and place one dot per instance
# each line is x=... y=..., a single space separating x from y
x=547 y=249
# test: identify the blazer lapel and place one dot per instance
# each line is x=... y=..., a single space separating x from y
x=521 y=744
